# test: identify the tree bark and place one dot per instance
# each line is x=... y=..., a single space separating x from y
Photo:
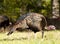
x=55 y=8
x=59 y=7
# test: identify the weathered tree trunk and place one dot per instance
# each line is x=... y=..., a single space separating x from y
x=59 y=7
x=55 y=8
x=55 y=13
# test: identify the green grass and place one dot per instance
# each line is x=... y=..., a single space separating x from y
x=50 y=37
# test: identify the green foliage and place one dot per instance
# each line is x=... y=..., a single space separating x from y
x=14 y=8
x=46 y=4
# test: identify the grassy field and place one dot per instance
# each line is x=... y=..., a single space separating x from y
x=50 y=37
